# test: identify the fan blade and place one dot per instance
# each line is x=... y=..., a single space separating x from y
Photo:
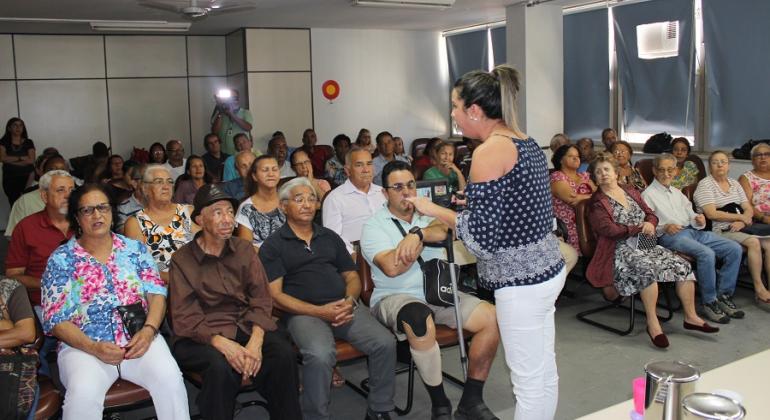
x=160 y=6
x=231 y=9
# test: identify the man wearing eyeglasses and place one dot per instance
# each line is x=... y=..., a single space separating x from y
x=314 y=283
x=681 y=229
x=347 y=207
x=398 y=300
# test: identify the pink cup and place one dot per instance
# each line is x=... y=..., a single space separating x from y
x=638 y=385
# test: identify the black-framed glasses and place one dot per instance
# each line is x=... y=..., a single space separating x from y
x=398 y=187
x=103 y=208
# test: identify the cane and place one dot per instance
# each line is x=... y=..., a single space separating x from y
x=455 y=298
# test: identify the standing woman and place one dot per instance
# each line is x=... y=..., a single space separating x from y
x=520 y=260
x=17 y=153
x=259 y=215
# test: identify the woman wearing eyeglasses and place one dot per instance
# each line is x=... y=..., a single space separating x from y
x=756 y=183
x=722 y=200
x=162 y=225
x=627 y=174
x=687 y=171
x=300 y=162
x=85 y=281
x=259 y=215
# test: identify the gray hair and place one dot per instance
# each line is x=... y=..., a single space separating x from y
x=147 y=175
x=45 y=180
x=755 y=149
x=285 y=191
x=661 y=157
x=559 y=140
x=349 y=155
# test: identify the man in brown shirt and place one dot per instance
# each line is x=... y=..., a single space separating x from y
x=220 y=309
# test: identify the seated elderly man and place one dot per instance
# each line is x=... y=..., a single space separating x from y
x=681 y=229
x=236 y=187
x=314 y=282
x=398 y=300
x=31 y=202
x=36 y=237
x=349 y=206
x=221 y=315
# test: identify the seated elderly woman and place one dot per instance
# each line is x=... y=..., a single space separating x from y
x=259 y=215
x=162 y=225
x=722 y=200
x=627 y=174
x=194 y=177
x=442 y=157
x=301 y=164
x=569 y=188
x=687 y=170
x=87 y=284
x=756 y=182
x=622 y=264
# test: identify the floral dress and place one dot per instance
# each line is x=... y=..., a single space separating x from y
x=635 y=180
x=163 y=241
x=688 y=175
x=760 y=188
x=636 y=269
x=260 y=224
x=78 y=288
x=564 y=211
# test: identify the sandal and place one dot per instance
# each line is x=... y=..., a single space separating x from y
x=337 y=380
x=762 y=303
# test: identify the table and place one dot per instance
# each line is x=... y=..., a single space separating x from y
x=747 y=377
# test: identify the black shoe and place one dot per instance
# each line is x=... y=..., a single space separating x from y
x=479 y=411
x=375 y=415
x=443 y=412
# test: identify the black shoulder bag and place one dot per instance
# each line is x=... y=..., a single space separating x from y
x=437 y=283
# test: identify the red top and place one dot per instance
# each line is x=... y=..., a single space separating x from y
x=32 y=242
x=318 y=158
x=601 y=272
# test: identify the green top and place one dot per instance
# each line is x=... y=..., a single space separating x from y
x=434 y=173
x=229 y=129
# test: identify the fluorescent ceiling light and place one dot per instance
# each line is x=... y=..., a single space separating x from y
x=417 y=4
x=140 y=26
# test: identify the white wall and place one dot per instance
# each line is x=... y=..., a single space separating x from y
x=389 y=80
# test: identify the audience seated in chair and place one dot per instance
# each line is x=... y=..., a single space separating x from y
x=78 y=308
x=318 y=155
x=681 y=229
x=688 y=172
x=557 y=141
x=443 y=161
x=214 y=158
x=260 y=214
x=133 y=203
x=302 y=165
x=334 y=169
x=228 y=337
x=718 y=197
x=162 y=225
x=609 y=136
x=36 y=237
x=175 y=162
x=399 y=151
x=278 y=148
x=32 y=201
x=586 y=148
x=398 y=300
x=236 y=188
x=618 y=216
x=194 y=177
x=386 y=153
x=627 y=174
x=157 y=153
x=422 y=162
x=756 y=182
x=569 y=188
x=243 y=143
x=348 y=207
x=364 y=140
x=315 y=283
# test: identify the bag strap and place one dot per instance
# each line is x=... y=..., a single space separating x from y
x=403 y=232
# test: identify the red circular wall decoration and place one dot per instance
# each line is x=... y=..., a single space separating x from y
x=330 y=89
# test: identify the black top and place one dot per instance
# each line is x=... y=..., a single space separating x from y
x=310 y=273
x=17 y=151
x=213 y=165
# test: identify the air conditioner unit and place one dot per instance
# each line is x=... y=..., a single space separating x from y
x=658 y=40
x=423 y=4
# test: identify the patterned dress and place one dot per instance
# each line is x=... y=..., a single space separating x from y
x=564 y=211
x=260 y=224
x=760 y=188
x=636 y=269
x=76 y=287
x=635 y=180
x=163 y=241
x=688 y=175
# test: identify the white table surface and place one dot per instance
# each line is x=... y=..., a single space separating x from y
x=748 y=377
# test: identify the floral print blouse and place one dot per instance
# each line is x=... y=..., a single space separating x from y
x=687 y=175
x=760 y=188
x=76 y=287
x=165 y=240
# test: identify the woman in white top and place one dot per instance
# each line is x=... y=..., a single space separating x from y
x=259 y=216
x=712 y=195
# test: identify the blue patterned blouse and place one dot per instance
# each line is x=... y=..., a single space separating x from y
x=509 y=222
x=76 y=287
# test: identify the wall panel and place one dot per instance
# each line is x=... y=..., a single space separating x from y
x=146 y=56
x=201 y=106
x=280 y=101
x=206 y=56
x=278 y=49
x=59 y=56
x=6 y=57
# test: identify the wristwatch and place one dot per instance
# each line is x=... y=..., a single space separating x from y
x=417 y=231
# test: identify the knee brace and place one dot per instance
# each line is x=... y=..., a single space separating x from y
x=414 y=314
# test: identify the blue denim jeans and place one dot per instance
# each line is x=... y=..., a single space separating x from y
x=706 y=248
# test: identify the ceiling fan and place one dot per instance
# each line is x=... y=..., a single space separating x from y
x=197 y=9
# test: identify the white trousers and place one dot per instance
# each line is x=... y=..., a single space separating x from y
x=87 y=380
x=525 y=316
